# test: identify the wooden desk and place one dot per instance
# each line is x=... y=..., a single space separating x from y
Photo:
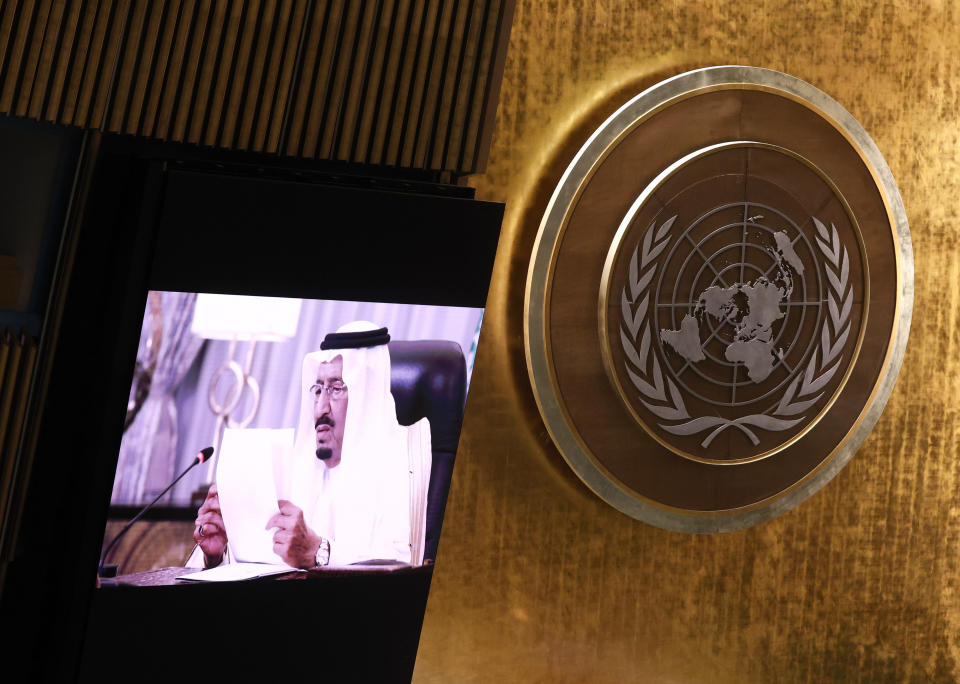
x=328 y=625
x=164 y=577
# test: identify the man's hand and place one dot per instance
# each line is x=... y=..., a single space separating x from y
x=293 y=541
x=213 y=541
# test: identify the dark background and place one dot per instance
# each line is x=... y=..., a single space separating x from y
x=159 y=216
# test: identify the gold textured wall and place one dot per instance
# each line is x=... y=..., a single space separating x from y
x=540 y=581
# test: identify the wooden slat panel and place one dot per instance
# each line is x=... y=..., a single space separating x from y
x=403 y=90
x=64 y=56
x=357 y=70
x=194 y=43
x=31 y=65
x=343 y=58
x=476 y=45
x=14 y=53
x=487 y=49
x=235 y=55
x=413 y=112
x=49 y=52
x=155 y=82
x=166 y=68
x=89 y=81
x=386 y=89
x=266 y=78
x=177 y=69
x=490 y=94
x=315 y=53
x=130 y=53
x=391 y=82
x=202 y=91
x=281 y=74
x=457 y=50
x=18 y=354
x=367 y=101
x=436 y=74
x=9 y=15
x=255 y=55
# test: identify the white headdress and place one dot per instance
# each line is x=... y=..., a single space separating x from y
x=345 y=502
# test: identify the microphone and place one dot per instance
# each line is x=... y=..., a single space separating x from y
x=202 y=456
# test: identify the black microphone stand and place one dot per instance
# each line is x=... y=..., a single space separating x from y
x=202 y=456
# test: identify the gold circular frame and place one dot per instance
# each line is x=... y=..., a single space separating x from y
x=539 y=284
x=613 y=254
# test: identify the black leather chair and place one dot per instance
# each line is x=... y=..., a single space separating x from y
x=428 y=378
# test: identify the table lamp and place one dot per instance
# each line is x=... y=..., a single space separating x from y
x=240 y=318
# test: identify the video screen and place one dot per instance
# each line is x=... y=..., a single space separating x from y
x=333 y=427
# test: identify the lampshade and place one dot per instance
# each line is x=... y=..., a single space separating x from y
x=224 y=317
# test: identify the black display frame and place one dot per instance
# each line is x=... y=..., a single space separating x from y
x=172 y=217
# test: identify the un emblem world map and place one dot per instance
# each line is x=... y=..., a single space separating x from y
x=751 y=308
x=718 y=299
x=735 y=321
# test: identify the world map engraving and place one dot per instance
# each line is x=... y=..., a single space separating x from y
x=740 y=317
x=750 y=307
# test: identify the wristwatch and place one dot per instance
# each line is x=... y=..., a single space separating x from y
x=323 y=554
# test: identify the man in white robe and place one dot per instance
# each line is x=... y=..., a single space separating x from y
x=348 y=476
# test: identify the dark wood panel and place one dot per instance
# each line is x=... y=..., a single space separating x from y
x=409 y=83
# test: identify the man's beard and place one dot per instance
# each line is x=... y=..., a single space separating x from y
x=323 y=453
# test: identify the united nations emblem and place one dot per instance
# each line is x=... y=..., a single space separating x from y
x=736 y=319
x=727 y=263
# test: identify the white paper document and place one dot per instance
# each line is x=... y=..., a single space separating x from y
x=246 y=467
x=234 y=572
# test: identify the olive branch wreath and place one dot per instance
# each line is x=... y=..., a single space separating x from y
x=802 y=393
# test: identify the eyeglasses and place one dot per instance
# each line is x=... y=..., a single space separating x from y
x=334 y=391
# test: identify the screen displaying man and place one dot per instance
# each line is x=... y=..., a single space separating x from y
x=348 y=474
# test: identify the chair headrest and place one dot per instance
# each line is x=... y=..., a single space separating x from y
x=428 y=378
